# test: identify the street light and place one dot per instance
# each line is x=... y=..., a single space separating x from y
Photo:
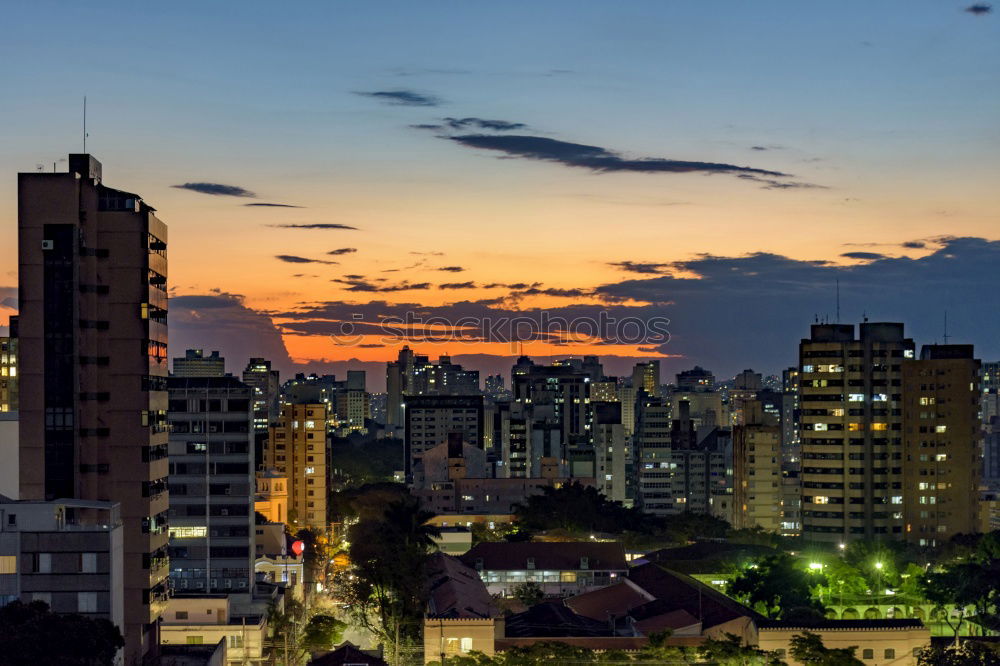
x=816 y=566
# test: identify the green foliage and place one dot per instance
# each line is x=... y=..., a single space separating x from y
x=579 y=509
x=31 y=634
x=322 y=632
x=730 y=651
x=779 y=587
x=808 y=649
x=366 y=502
x=359 y=460
x=967 y=653
x=529 y=593
x=386 y=582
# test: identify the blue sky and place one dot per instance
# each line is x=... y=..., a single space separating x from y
x=889 y=110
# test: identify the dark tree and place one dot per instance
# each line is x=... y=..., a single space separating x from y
x=30 y=634
x=808 y=649
x=779 y=587
x=968 y=653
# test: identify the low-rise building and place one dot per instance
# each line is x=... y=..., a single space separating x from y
x=878 y=642
x=239 y=619
x=559 y=568
x=461 y=616
x=68 y=553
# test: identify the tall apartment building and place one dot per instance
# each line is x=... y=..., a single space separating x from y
x=414 y=374
x=194 y=363
x=646 y=377
x=942 y=434
x=266 y=386
x=211 y=484
x=353 y=403
x=67 y=553
x=561 y=395
x=851 y=431
x=695 y=379
x=296 y=449
x=8 y=369
x=612 y=451
x=757 y=482
x=93 y=362
x=653 y=456
x=430 y=419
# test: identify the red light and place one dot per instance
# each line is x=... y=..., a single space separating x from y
x=298 y=547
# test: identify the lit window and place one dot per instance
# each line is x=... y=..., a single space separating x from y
x=940 y=428
x=941 y=457
x=821 y=499
x=897 y=499
x=907 y=353
x=819 y=426
x=856 y=397
x=855 y=427
x=879 y=397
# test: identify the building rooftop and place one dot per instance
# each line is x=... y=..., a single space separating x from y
x=456 y=591
x=842 y=625
x=547 y=556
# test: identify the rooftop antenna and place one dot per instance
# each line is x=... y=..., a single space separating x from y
x=946 y=336
x=838 y=300
x=85 y=124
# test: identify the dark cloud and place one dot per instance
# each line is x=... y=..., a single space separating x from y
x=864 y=255
x=221 y=321
x=473 y=124
x=512 y=285
x=914 y=245
x=980 y=9
x=457 y=285
x=640 y=267
x=602 y=160
x=428 y=254
x=550 y=291
x=365 y=285
x=272 y=205
x=293 y=259
x=304 y=275
x=371 y=345
x=313 y=226
x=354 y=277
x=8 y=297
x=758 y=147
x=772 y=184
x=216 y=189
x=451 y=269
x=342 y=250
x=402 y=97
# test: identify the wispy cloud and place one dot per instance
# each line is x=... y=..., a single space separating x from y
x=867 y=256
x=979 y=9
x=272 y=205
x=294 y=259
x=314 y=226
x=640 y=267
x=216 y=189
x=472 y=123
x=366 y=286
x=602 y=160
x=457 y=285
x=342 y=250
x=402 y=97
x=451 y=269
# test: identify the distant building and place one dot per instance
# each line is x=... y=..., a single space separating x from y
x=430 y=419
x=297 y=450
x=211 y=484
x=194 y=363
x=757 y=482
x=942 y=436
x=414 y=375
x=696 y=379
x=67 y=553
x=646 y=377
x=272 y=496
x=266 y=386
x=8 y=369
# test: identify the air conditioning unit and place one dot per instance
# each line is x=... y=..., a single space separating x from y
x=48 y=245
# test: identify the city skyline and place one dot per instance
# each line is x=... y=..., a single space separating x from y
x=630 y=181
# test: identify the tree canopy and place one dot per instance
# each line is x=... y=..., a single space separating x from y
x=779 y=587
x=30 y=634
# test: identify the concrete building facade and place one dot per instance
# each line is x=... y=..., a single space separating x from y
x=93 y=363
x=297 y=450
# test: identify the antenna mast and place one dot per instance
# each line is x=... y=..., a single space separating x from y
x=84 y=124
x=946 y=336
x=838 y=300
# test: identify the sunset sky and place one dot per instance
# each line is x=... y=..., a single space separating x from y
x=719 y=164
